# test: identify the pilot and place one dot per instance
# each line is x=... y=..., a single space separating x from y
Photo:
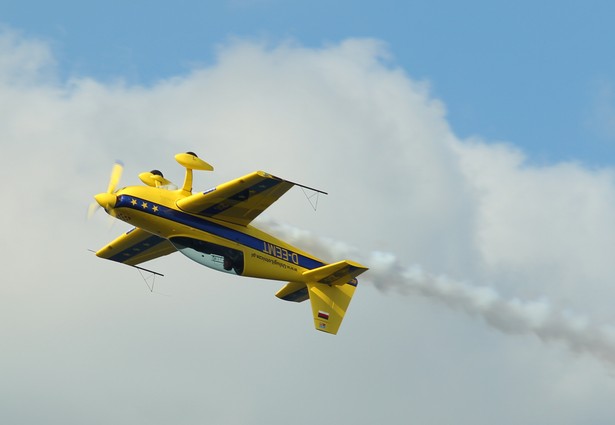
x=233 y=262
x=228 y=264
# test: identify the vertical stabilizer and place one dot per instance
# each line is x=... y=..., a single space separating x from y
x=330 y=289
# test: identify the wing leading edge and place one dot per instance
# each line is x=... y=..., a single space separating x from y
x=136 y=246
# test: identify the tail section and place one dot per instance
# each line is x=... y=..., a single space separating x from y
x=329 y=305
x=330 y=289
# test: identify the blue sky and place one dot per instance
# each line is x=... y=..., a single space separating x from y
x=535 y=74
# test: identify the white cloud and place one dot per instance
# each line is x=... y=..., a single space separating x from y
x=82 y=332
x=543 y=226
x=601 y=118
x=23 y=61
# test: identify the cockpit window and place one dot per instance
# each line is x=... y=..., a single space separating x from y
x=217 y=257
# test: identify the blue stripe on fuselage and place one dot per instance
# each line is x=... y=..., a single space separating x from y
x=125 y=201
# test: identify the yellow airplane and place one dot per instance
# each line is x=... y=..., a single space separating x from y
x=213 y=228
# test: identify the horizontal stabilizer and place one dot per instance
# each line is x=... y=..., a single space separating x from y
x=293 y=291
x=335 y=274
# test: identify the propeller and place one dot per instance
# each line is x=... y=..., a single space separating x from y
x=107 y=199
x=116 y=174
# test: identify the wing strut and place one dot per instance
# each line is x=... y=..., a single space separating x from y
x=311 y=197
x=148 y=276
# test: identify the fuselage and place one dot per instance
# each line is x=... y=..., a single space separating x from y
x=222 y=246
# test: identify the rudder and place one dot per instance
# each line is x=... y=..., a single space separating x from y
x=329 y=305
x=330 y=289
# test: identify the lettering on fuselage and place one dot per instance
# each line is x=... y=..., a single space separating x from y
x=281 y=253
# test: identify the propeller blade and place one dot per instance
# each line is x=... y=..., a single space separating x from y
x=94 y=206
x=116 y=174
x=107 y=199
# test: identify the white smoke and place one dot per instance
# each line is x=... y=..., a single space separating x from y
x=511 y=316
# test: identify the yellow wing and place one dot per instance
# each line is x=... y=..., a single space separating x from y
x=239 y=201
x=136 y=246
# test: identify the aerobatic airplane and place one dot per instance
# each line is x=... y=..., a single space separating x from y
x=213 y=228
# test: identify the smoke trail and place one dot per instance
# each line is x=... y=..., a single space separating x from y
x=511 y=316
